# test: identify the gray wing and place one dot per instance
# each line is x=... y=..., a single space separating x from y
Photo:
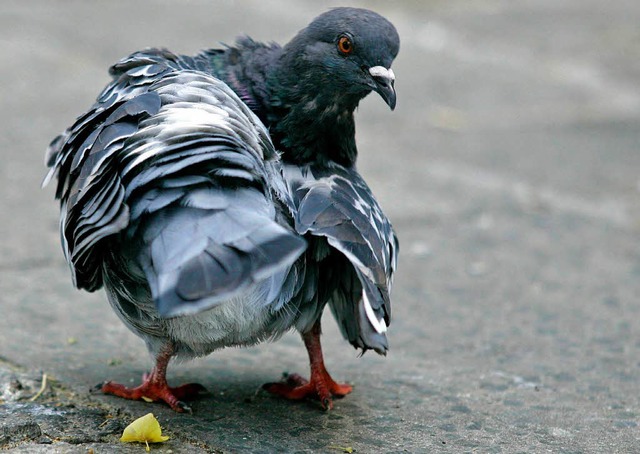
x=336 y=203
x=171 y=163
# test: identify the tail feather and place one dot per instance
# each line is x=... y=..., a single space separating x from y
x=198 y=258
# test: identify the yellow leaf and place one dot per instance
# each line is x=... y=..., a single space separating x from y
x=144 y=430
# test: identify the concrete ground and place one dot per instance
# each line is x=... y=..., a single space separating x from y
x=511 y=170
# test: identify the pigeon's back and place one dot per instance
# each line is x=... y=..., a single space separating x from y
x=171 y=180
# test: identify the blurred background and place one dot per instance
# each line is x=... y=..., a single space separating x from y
x=510 y=169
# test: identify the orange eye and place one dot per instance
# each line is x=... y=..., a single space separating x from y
x=344 y=45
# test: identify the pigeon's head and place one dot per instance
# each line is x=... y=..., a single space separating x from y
x=345 y=54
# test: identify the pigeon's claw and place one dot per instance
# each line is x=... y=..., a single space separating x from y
x=151 y=390
x=154 y=387
x=320 y=385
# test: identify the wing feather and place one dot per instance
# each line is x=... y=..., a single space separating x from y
x=335 y=203
x=172 y=165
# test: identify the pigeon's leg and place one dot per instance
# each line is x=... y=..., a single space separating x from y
x=154 y=385
x=320 y=385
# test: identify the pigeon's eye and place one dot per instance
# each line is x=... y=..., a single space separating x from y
x=344 y=45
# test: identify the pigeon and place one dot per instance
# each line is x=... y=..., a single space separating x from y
x=216 y=200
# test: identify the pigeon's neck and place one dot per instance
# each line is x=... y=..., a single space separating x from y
x=244 y=68
x=310 y=126
x=309 y=122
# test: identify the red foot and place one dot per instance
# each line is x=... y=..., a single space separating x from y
x=320 y=386
x=154 y=386
x=152 y=390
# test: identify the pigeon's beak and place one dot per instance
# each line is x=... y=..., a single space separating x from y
x=384 y=80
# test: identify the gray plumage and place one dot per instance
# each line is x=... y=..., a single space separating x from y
x=176 y=203
x=175 y=200
x=355 y=244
